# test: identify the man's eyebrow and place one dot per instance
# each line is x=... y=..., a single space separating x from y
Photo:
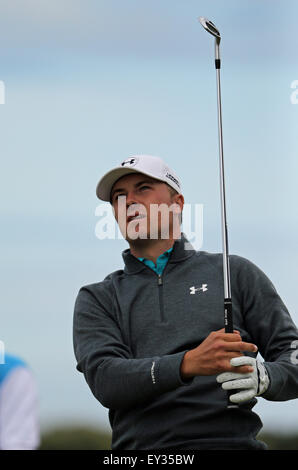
x=149 y=181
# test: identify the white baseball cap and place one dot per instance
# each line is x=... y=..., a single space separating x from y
x=146 y=164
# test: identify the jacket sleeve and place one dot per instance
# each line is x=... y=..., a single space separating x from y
x=115 y=378
x=272 y=329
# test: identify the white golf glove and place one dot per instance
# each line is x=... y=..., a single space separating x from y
x=251 y=384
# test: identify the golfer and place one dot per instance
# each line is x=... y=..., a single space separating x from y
x=149 y=338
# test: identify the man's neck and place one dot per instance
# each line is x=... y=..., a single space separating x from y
x=150 y=249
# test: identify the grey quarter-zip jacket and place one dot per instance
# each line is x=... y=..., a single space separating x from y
x=132 y=329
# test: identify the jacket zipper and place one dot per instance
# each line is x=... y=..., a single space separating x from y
x=160 y=296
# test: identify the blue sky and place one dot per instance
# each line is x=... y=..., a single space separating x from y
x=90 y=83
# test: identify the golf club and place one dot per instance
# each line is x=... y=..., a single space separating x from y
x=228 y=314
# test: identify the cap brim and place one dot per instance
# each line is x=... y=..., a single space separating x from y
x=104 y=186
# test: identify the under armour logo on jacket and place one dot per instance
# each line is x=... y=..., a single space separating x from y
x=194 y=289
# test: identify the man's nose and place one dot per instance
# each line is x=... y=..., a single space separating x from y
x=131 y=198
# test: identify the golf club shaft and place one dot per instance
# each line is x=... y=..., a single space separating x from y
x=228 y=314
x=228 y=320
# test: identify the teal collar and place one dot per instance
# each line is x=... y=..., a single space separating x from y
x=160 y=262
x=182 y=250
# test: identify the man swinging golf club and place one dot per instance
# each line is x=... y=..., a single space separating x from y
x=149 y=338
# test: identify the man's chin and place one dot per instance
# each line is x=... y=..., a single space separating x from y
x=144 y=238
x=138 y=238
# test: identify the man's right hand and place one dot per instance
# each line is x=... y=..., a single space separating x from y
x=213 y=355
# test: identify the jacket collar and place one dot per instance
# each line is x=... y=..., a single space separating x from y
x=182 y=249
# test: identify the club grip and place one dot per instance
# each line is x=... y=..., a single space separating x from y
x=229 y=328
x=228 y=316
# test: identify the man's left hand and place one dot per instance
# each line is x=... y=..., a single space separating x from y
x=251 y=385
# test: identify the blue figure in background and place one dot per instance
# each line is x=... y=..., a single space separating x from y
x=19 y=422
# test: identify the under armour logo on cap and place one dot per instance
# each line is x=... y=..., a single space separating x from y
x=130 y=161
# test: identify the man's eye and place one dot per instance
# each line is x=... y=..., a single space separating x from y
x=115 y=198
x=145 y=187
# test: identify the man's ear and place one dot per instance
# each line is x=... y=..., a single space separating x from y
x=179 y=199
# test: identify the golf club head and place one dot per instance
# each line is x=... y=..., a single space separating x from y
x=210 y=27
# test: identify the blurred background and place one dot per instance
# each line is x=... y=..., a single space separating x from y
x=88 y=83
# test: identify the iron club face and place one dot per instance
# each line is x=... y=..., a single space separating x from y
x=210 y=27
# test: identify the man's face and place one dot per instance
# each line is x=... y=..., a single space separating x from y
x=146 y=211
